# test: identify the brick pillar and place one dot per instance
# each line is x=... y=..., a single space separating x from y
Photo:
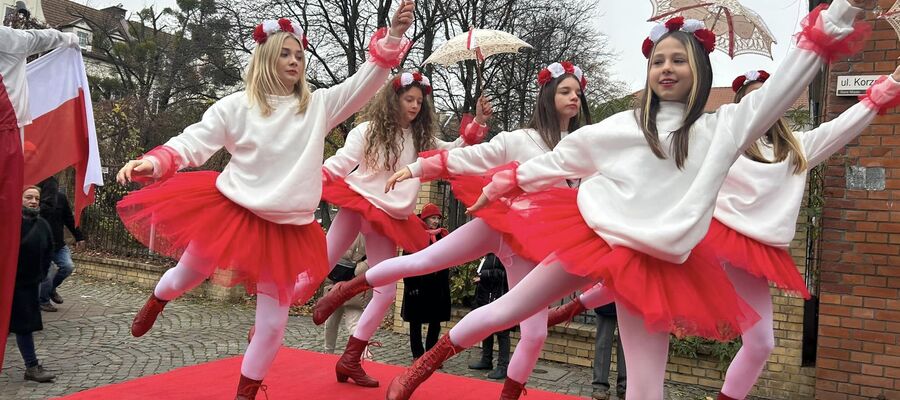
x=859 y=321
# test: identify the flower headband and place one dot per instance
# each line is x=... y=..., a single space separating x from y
x=407 y=78
x=705 y=36
x=557 y=69
x=748 y=78
x=271 y=26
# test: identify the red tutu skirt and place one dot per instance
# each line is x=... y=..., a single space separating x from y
x=410 y=234
x=690 y=299
x=759 y=260
x=467 y=189
x=188 y=209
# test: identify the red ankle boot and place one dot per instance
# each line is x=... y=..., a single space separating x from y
x=565 y=312
x=145 y=318
x=247 y=388
x=349 y=367
x=512 y=390
x=339 y=294
x=403 y=386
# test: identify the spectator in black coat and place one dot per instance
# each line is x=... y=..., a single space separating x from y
x=55 y=209
x=35 y=252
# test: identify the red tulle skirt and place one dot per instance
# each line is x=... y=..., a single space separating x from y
x=690 y=299
x=467 y=189
x=759 y=260
x=188 y=209
x=410 y=234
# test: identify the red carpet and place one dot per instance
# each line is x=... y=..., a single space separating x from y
x=296 y=374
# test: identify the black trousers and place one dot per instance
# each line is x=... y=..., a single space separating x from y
x=415 y=337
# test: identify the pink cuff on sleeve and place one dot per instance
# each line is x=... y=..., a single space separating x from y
x=433 y=164
x=813 y=37
x=166 y=162
x=386 y=54
x=883 y=95
x=471 y=131
x=503 y=183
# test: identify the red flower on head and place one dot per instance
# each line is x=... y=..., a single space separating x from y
x=544 y=76
x=285 y=25
x=417 y=77
x=397 y=84
x=707 y=38
x=426 y=89
x=675 y=24
x=583 y=82
x=305 y=43
x=763 y=76
x=647 y=47
x=738 y=83
x=259 y=35
x=568 y=67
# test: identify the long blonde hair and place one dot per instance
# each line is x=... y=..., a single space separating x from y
x=383 y=138
x=262 y=78
x=784 y=143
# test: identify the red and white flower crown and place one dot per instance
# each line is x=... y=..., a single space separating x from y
x=557 y=69
x=407 y=78
x=271 y=26
x=748 y=78
x=706 y=37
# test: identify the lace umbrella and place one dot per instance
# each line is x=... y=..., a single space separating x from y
x=892 y=16
x=739 y=30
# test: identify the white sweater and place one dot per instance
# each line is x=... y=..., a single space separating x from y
x=519 y=145
x=632 y=198
x=16 y=46
x=369 y=180
x=276 y=161
x=762 y=201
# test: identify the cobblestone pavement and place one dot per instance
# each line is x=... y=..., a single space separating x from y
x=88 y=344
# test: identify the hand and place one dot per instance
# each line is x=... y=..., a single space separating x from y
x=72 y=40
x=398 y=176
x=479 y=204
x=403 y=18
x=134 y=167
x=483 y=110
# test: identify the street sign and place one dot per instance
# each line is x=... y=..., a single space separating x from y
x=854 y=85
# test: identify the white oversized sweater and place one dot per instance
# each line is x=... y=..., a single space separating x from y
x=519 y=145
x=16 y=45
x=632 y=198
x=369 y=181
x=275 y=169
x=762 y=200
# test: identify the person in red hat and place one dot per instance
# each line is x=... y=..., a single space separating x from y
x=426 y=298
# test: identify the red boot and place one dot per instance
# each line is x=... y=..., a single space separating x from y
x=339 y=294
x=512 y=390
x=403 y=386
x=724 y=397
x=145 y=318
x=565 y=312
x=247 y=388
x=349 y=367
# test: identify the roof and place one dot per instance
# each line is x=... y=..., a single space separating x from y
x=62 y=13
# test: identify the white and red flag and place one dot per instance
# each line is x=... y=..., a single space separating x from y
x=62 y=133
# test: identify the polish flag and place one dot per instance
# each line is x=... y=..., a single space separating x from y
x=62 y=133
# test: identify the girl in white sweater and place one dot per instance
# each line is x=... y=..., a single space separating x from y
x=755 y=219
x=650 y=182
x=255 y=220
x=400 y=123
x=559 y=104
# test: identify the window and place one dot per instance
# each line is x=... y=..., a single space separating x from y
x=84 y=39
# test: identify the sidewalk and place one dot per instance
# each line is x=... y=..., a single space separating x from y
x=88 y=344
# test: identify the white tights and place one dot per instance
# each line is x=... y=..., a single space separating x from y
x=469 y=242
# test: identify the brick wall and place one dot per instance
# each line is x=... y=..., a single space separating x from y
x=859 y=351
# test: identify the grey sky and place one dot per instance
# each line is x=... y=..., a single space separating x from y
x=624 y=23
